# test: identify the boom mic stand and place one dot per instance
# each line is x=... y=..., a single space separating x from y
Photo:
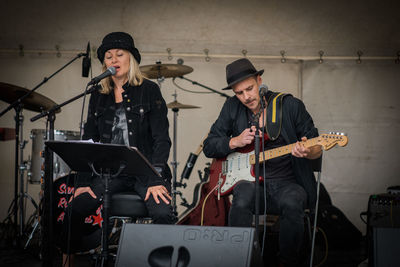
x=202 y=85
x=18 y=106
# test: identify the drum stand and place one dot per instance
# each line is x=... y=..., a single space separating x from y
x=175 y=106
x=174 y=163
x=19 y=174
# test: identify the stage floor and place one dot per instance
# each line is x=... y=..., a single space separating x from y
x=13 y=257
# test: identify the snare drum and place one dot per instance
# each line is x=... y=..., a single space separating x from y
x=60 y=168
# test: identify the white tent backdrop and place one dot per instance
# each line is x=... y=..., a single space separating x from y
x=359 y=99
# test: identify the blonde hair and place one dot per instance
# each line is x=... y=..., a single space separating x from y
x=135 y=76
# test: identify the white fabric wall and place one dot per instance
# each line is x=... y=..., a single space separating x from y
x=359 y=99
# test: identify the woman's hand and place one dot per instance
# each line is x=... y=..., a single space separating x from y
x=82 y=190
x=158 y=191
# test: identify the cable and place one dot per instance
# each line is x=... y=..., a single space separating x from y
x=326 y=246
x=204 y=203
x=190 y=91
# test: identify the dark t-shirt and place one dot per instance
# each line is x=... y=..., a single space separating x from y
x=280 y=167
x=120 y=126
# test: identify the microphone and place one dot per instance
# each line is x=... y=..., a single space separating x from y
x=110 y=71
x=86 y=62
x=263 y=90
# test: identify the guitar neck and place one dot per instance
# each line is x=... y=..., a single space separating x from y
x=283 y=150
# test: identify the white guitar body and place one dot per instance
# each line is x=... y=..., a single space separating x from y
x=236 y=168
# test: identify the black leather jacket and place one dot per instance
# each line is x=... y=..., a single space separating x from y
x=296 y=123
x=146 y=114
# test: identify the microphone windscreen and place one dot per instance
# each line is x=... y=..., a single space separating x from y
x=85 y=67
x=86 y=62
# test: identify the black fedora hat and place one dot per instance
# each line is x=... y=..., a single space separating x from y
x=240 y=70
x=118 y=40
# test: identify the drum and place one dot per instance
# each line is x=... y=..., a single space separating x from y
x=89 y=224
x=60 y=168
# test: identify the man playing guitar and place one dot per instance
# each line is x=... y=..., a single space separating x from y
x=289 y=179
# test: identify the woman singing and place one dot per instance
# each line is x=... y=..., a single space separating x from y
x=129 y=110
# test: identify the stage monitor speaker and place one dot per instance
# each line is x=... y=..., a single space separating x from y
x=386 y=242
x=187 y=246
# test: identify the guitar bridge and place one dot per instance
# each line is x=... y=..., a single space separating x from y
x=224 y=167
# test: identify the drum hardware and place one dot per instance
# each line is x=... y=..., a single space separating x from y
x=175 y=106
x=60 y=168
x=202 y=85
x=161 y=71
x=35 y=223
x=29 y=99
x=20 y=98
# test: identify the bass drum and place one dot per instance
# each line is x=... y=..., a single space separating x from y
x=60 y=168
x=90 y=224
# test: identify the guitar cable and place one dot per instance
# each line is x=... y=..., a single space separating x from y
x=204 y=203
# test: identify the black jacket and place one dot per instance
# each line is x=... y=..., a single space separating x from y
x=146 y=114
x=296 y=123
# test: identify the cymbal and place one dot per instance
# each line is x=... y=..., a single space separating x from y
x=176 y=105
x=165 y=70
x=34 y=102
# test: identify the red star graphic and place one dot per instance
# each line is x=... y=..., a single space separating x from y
x=97 y=220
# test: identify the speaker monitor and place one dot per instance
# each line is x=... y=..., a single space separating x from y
x=386 y=242
x=187 y=246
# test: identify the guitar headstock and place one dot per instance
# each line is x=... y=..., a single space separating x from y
x=327 y=141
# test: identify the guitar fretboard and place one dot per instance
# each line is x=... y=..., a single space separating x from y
x=283 y=150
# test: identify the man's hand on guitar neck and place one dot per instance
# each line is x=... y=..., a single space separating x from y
x=300 y=151
x=244 y=139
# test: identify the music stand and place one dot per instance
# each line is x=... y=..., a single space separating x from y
x=106 y=161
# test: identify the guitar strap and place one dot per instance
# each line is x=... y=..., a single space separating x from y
x=274 y=114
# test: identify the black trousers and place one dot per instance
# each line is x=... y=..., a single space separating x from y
x=81 y=225
x=285 y=198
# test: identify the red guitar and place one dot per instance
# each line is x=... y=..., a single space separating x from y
x=239 y=166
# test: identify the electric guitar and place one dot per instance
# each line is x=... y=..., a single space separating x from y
x=239 y=166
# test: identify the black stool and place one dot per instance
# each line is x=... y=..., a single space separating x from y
x=128 y=205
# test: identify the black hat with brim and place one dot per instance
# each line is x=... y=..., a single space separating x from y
x=240 y=70
x=118 y=40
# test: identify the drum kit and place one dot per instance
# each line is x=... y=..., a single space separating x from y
x=34 y=166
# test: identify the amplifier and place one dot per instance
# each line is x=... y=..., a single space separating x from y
x=384 y=210
x=383 y=230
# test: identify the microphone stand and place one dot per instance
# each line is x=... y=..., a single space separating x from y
x=202 y=85
x=18 y=106
x=19 y=100
x=257 y=174
x=47 y=221
x=257 y=167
